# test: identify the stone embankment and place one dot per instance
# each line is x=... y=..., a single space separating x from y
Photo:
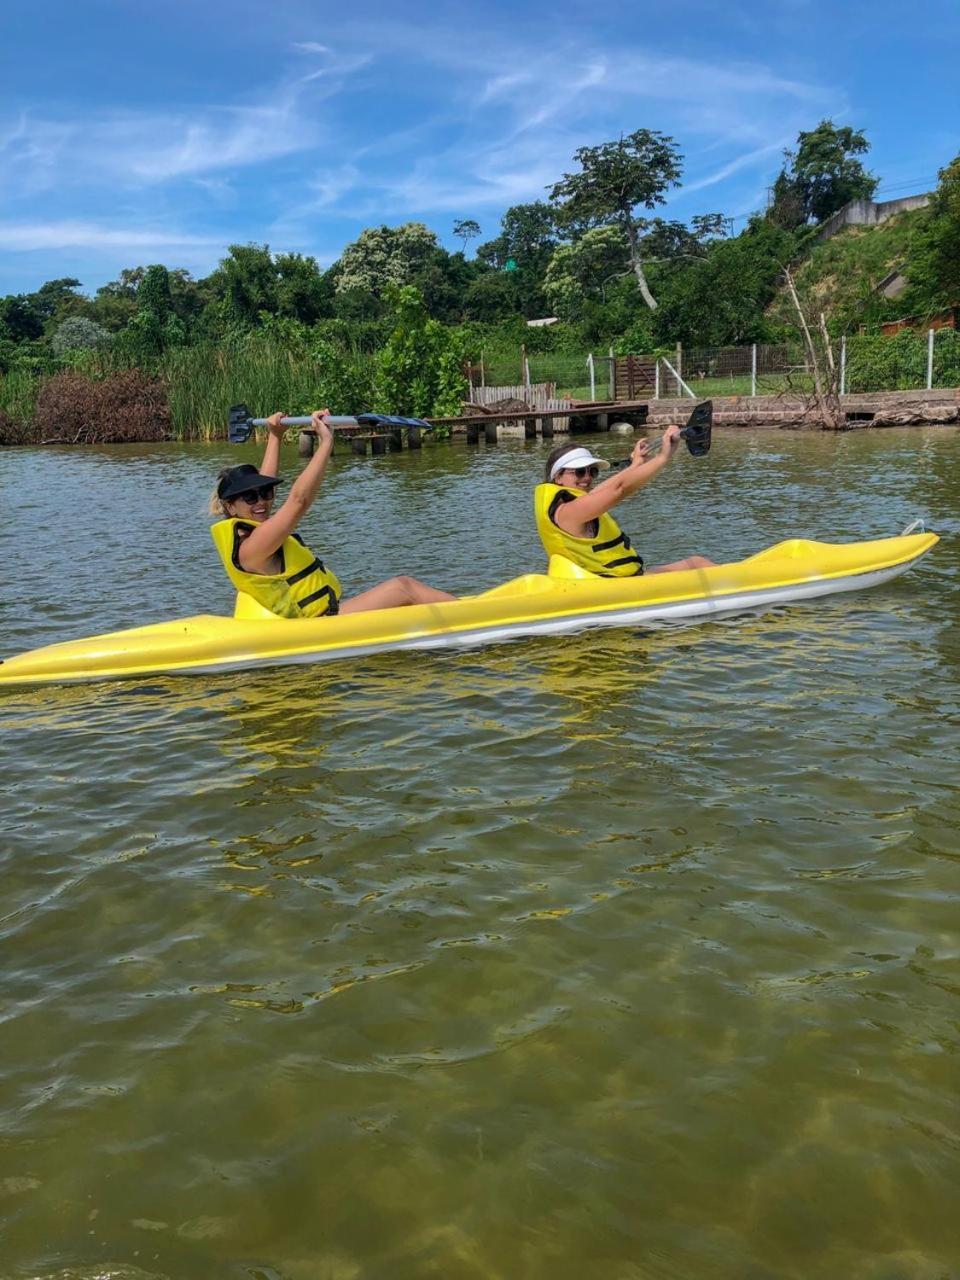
x=873 y=409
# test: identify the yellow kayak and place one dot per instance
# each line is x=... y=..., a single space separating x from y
x=563 y=599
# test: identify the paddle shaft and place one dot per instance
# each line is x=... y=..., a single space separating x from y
x=306 y=422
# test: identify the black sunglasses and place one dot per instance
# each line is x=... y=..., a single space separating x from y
x=582 y=472
x=250 y=496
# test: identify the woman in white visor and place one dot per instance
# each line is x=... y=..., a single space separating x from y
x=573 y=512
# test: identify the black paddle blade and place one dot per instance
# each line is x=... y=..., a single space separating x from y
x=698 y=430
x=240 y=427
x=390 y=420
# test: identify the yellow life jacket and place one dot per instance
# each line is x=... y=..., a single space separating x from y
x=607 y=553
x=304 y=587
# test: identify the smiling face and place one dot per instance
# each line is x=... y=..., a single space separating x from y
x=252 y=504
x=578 y=477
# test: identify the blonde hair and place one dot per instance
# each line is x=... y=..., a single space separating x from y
x=216 y=507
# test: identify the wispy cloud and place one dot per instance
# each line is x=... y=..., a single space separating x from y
x=748 y=160
x=27 y=236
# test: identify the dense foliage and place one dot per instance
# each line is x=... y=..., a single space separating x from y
x=391 y=323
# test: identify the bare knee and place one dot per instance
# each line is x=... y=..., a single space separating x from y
x=406 y=587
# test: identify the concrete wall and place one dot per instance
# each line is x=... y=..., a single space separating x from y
x=869 y=213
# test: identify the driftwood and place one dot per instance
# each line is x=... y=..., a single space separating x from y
x=917 y=414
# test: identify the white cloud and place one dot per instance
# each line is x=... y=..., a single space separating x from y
x=311 y=46
x=27 y=236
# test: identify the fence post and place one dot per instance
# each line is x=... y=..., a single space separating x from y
x=613 y=375
x=929 y=359
x=753 y=371
x=843 y=365
x=656 y=379
x=526 y=372
x=483 y=378
x=593 y=377
x=523 y=360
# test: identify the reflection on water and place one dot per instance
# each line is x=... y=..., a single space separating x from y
x=618 y=953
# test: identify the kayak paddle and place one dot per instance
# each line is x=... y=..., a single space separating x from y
x=696 y=435
x=240 y=427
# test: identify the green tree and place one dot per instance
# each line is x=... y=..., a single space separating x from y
x=614 y=179
x=491 y=297
x=821 y=176
x=77 y=333
x=527 y=239
x=420 y=369
x=944 y=236
x=584 y=269
x=300 y=291
x=382 y=256
x=721 y=299
x=20 y=318
x=465 y=230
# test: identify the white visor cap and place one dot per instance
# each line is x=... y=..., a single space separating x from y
x=578 y=457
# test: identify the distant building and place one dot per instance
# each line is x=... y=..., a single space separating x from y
x=870 y=213
x=540 y=324
x=939 y=320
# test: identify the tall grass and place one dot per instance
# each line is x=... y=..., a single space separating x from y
x=204 y=381
x=18 y=393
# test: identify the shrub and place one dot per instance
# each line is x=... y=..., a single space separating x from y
x=12 y=431
x=77 y=333
x=122 y=408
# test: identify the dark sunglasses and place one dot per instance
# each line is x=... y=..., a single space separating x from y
x=250 y=496
x=582 y=472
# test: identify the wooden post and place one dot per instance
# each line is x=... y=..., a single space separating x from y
x=473 y=432
x=490 y=432
x=613 y=376
x=414 y=437
x=547 y=428
x=395 y=439
x=359 y=445
x=523 y=364
x=378 y=445
x=307 y=444
x=529 y=428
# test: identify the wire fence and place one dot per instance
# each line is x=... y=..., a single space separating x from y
x=908 y=360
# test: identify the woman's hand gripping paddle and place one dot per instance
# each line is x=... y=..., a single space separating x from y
x=241 y=425
x=697 y=434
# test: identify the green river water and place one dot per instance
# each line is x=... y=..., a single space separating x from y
x=621 y=955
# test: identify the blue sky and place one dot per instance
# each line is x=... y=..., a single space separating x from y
x=133 y=133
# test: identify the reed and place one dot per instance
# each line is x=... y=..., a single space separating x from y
x=18 y=394
x=203 y=381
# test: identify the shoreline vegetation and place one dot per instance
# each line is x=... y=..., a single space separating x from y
x=395 y=323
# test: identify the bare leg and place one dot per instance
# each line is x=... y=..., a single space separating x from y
x=393 y=593
x=691 y=562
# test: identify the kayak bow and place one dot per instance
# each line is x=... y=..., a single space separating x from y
x=563 y=599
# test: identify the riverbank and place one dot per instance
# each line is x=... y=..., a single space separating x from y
x=864 y=409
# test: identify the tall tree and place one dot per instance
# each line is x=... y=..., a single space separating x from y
x=527 y=239
x=466 y=229
x=614 y=179
x=821 y=176
x=945 y=234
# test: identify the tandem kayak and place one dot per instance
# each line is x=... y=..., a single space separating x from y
x=564 y=599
